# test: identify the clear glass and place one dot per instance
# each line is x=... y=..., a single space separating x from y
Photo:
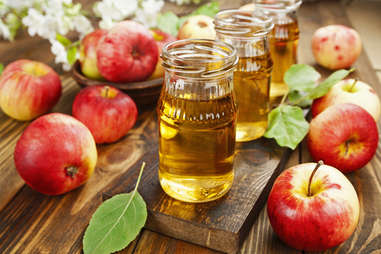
x=197 y=120
x=248 y=33
x=283 y=41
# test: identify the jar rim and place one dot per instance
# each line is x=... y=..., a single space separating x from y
x=278 y=6
x=193 y=57
x=243 y=23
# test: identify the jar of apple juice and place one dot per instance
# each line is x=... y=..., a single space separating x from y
x=197 y=120
x=283 y=41
x=248 y=33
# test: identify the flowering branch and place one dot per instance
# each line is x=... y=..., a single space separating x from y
x=54 y=19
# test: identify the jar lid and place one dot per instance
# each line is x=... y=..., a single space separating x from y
x=277 y=5
x=243 y=23
x=199 y=58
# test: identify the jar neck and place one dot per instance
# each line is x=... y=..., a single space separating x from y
x=242 y=25
x=252 y=47
x=199 y=59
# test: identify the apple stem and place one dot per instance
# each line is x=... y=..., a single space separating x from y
x=309 y=194
x=71 y=171
x=353 y=86
x=283 y=98
x=107 y=89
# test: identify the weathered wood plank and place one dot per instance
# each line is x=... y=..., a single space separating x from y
x=35 y=222
x=154 y=243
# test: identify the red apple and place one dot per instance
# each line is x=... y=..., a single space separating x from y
x=161 y=39
x=55 y=154
x=313 y=216
x=127 y=53
x=88 y=54
x=349 y=91
x=198 y=27
x=336 y=46
x=106 y=111
x=344 y=136
x=28 y=89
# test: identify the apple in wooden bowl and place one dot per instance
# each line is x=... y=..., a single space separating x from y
x=127 y=56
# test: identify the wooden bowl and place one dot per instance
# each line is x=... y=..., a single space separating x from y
x=143 y=93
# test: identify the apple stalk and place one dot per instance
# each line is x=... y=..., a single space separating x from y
x=309 y=194
x=352 y=86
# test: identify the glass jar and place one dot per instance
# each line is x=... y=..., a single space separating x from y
x=283 y=40
x=197 y=120
x=248 y=33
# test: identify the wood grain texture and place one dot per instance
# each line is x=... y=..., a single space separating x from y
x=33 y=223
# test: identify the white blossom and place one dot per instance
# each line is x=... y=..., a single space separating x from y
x=115 y=10
x=20 y=4
x=47 y=18
x=61 y=55
x=82 y=25
x=149 y=11
x=36 y=23
x=4 y=31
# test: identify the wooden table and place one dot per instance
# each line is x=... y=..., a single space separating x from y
x=33 y=223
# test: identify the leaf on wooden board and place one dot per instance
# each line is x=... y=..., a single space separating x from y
x=116 y=222
x=1 y=68
x=287 y=125
x=324 y=87
x=301 y=77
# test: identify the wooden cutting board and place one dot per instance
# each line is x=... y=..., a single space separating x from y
x=222 y=224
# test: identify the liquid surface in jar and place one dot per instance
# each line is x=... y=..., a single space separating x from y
x=196 y=140
x=283 y=48
x=252 y=88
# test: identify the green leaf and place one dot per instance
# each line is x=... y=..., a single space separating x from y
x=72 y=55
x=14 y=23
x=324 y=87
x=63 y=40
x=116 y=222
x=287 y=125
x=168 y=22
x=301 y=77
x=299 y=99
x=1 y=68
x=209 y=9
